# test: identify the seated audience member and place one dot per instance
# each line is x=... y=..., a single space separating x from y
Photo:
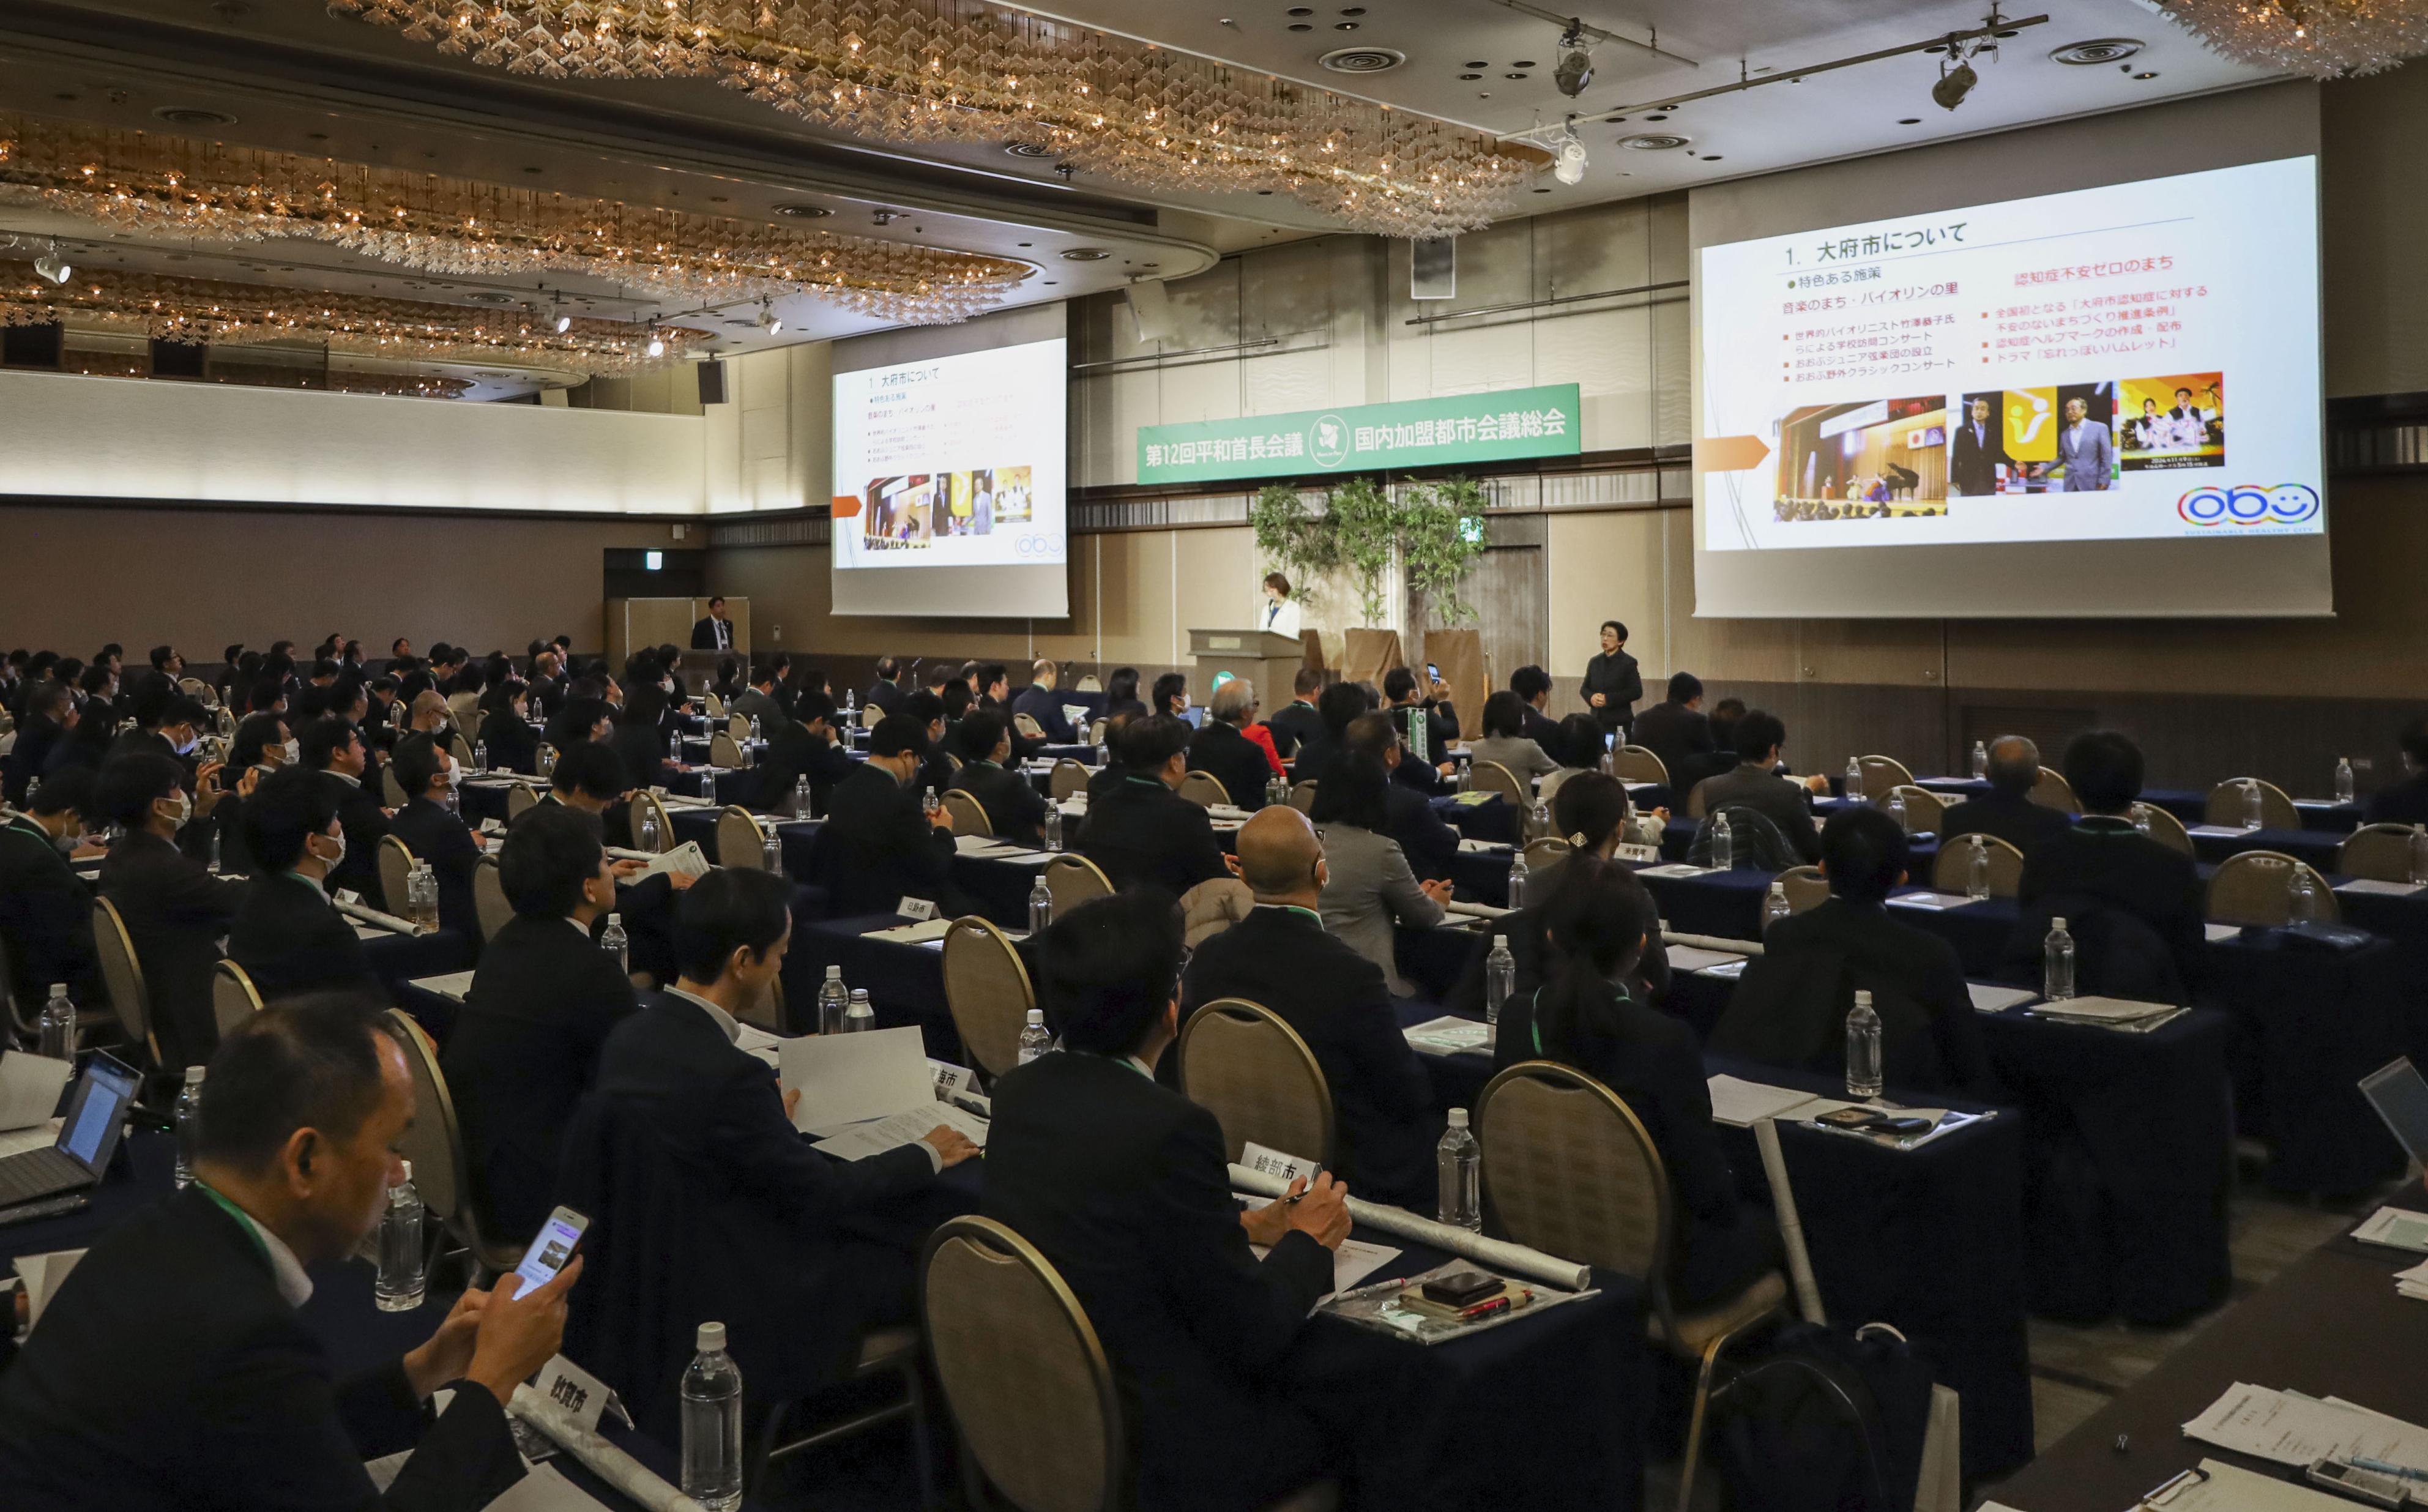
x=1505 y=740
x=2403 y=802
x=1368 y=891
x=1040 y=702
x=2007 y=812
x=808 y=745
x=172 y=1369
x=886 y=691
x=48 y=712
x=526 y=1044
x=1581 y=742
x=1790 y=1006
x=706 y=1201
x=582 y=716
x=1335 y=707
x=2133 y=905
x=759 y=700
x=1591 y=810
x=511 y=745
x=1122 y=693
x=288 y=937
x=174 y=909
x=1408 y=817
x=877 y=847
x=45 y=908
x=1170 y=695
x=1297 y=721
x=333 y=748
x=1725 y=715
x=263 y=744
x=1014 y=808
x=85 y=744
x=1281 y=957
x=168 y=723
x=929 y=710
x=438 y=838
x=1120 y=1183
x=729 y=682
x=1585 y=1013
x=1139 y=830
x=1754 y=783
x=1399 y=690
x=1222 y=746
x=1676 y=731
x=1532 y=686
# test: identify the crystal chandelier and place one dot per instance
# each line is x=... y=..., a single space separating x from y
x=2316 y=39
x=916 y=71
x=219 y=314
x=166 y=185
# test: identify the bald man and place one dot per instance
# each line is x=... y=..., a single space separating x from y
x=1281 y=957
x=2007 y=812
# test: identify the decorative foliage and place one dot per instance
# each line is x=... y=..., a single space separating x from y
x=1365 y=526
x=1434 y=546
x=1361 y=532
x=1291 y=536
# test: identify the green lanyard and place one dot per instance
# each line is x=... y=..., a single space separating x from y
x=243 y=1221
x=1534 y=1017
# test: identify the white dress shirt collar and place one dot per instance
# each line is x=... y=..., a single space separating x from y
x=724 y=1020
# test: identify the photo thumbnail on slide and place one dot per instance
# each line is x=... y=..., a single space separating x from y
x=2034 y=442
x=1860 y=461
x=909 y=512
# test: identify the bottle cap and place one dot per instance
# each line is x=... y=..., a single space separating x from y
x=615 y=920
x=1458 y=1118
x=710 y=1337
x=1037 y=1016
x=1499 y=941
x=2056 y=923
x=404 y=1169
x=834 y=974
x=58 y=989
x=1862 y=998
x=194 y=1075
x=860 y=994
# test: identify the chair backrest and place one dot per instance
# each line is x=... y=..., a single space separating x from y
x=738 y=726
x=546 y=760
x=2050 y=790
x=2229 y=804
x=233 y=999
x=2254 y=887
x=1953 y=871
x=1088 y=683
x=434 y=1141
x=1026 y=724
x=722 y=751
x=1881 y=773
x=1697 y=806
x=395 y=866
x=391 y=791
x=870 y=713
x=1244 y=1063
x=1635 y=764
x=1301 y=795
x=520 y=796
x=1491 y=777
x=657 y=808
x=2380 y=852
x=1213 y=906
x=1023 y=1375
x=1805 y=887
x=1553 y=781
x=1074 y=880
x=1069 y=777
x=489 y=903
x=1923 y=808
x=1544 y=858
x=123 y=976
x=968 y=815
x=714 y=705
x=1570 y=1170
x=2164 y=827
x=739 y=842
x=460 y=749
x=1096 y=733
x=987 y=987
x=1204 y=789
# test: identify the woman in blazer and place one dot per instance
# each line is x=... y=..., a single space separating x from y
x=1368 y=891
x=1504 y=717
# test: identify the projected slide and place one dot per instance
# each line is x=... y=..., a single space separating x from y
x=951 y=463
x=2133 y=362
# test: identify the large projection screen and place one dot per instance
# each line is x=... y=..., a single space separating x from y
x=2094 y=392
x=950 y=462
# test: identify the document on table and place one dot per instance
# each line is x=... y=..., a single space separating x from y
x=2370 y=884
x=1729 y=970
x=1741 y=1104
x=1497 y=846
x=1935 y=902
x=1353 y=1262
x=987 y=849
x=39 y=1136
x=1694 y=958
x=686 y=857
x=2214 y=932
x=1991 y=998
x=857 y=1141
x=918 y=934
x=1676 y=868
x=29 y=1088
x=2232 y=1489
x=1450 y=1035
x=2292 y=1429
x=2395 y=1228
x=455 y=984
x=2102 y=1009
x=849 y=1078
x=2216 y=830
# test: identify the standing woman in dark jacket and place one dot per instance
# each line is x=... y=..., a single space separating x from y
x=1612 y=682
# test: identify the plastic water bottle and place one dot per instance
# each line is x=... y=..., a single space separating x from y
x=1977 y=871
x=832 y=1001
x=859 y=1016
x=1035 y=1039
x=2141 y=819
x=614 y=943
x=421 y=897
x=754 y=728
x=2252 y=812
x=1854 y=783
x=1276 y=792
x=190 y=1125
x=803 y=805
x=1980 y=760
x=850 y=705
x=2419 y=878
x=1040 y=906
x=400 y=1255
x=214 y=837
x=1539 y=820
x=1724 y=845
x=58 y=1027
x=546 y=757
x=1518 y=877
x=480 y=755
x=1775 y=906
x=1104 y=753
x=771 y=850
x=2302 y=901
x=1862 y=1049
x=1054 y=823
x=2057 y=963
x=2343 y=779
x=448 y=800
x=1896 y=806
x=711 y=1424
x=929 y=803
x=708 y=786
x=1459 y=1163
x=1500 y=979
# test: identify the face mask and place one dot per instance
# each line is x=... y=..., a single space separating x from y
x=65 y=845
x=339 y=841
x=184 y=810
x=291 y=752
x=454 y=776
x=186 y=746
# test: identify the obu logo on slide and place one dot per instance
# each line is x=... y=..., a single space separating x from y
x=2245 y=503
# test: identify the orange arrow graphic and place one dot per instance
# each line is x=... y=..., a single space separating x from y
x=1731 y=454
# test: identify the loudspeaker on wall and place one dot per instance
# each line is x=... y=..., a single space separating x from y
x=711 y=382
x=1151 y=306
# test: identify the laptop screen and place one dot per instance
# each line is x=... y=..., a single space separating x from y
x=97 y=1112
x=2401 y=1097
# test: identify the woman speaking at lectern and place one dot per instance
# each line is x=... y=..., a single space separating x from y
x=1280 y=616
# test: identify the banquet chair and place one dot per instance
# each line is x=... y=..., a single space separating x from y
x=968 y=815
x=1244 y=1063
x=396 y=863
x=713 y=705
x=1635 y=764
x=1073 y=880
x=740 y=842
x=123 y=974
x=1545 y=856
x=1301 y=795
x=2228 y=802
x=2378 y=852
x=1026 y=724
x=1805 y=886
x=1924 y=808
x=1069 y=777
x=518 y=797
x=725 y=751
x=2254 y=887
x=738 y=726
x=1204 y=790
x=2050 y=790
x=1089 y=683
x=870 y=713
x=460 y=749
x=490 y=905
x=2164 y=827
x=1096 y=733
x=988 y=991
x=434 y=1141
x=1953 y=871
x=1881 y=773
x=233 y=999
x=656 y=808
x=1491 y=777
x=1570 y=1169
x=391 y=791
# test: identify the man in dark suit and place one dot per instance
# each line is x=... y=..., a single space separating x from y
x=1405 y=696
x=45 y=908
x=804 y=746
x=886 y=692
x=1040 y=702
x=1297 y=721
x=51 y=711
x=1752 y=783
x=1610 y=685
x=174 y=909
x=1121 y=1183
x=1532 y=686
x=541 y=1005
x=2405 y=802
x=1013 y=806
x=2007 y=812
x=286 y=936
x=1335 y=707
x=1279 y=956
x=166 y=723
x=1676 y=731
x=171 y=1372
x=1430 y=846
x=2103 y=862
x=716 y=633
x=1980 y=450
x=877 y=847
x=333 y=748
x=705 y=1201
x=1220 y=748
x=427 y=772
x=1139 y=830
x=759 y=703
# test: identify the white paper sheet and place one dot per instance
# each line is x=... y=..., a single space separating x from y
x=2295 y=1430
x=29 y=1088
x=2216 y=830
x=41 y=1136
x=920 y=932
x=860 y=1141
x=2104 y=1010
x=1935 y=902
x=1501 y=846
x=1990 y=999
x=2232 y=1489
x=2370 y=884
x=1729 y=970
x=2395 y=1228
x=1688 y=957
x=42 y=1274
x=847 y=1078
x=1450 y=1035
x=1353 y=1262
x=455 y=984
x=686 y=857
x=1741 y=1104
x=2214 y=932
x=1676 y=868
x=543 y=1489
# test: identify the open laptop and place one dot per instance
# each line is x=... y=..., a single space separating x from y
x=88 y=1138
x=2401 y=1097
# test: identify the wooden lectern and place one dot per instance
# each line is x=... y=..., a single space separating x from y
x=1270 y=661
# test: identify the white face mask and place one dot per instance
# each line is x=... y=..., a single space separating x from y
x=186 y=746
x=291 y=752
x=185 y=810
x=455 y=775
x=339 y=841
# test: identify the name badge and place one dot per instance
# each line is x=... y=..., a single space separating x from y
x=575 y=1392
x=915 y=908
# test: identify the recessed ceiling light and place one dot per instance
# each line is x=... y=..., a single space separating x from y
x=2097 y=50
x=1470 y=75
x=1051 y=282
x=1478 y=65
x=1910 y=120
x=490 y=297
x=1264 y=192
x=1344 y=26
x=1542 y=191
x=1363 y=59
x=1301 y=25
x=1512 y=75
x=193 y=115
x=1523 y=62
x=2146 y=73
x=1656 y=118
x=531 y=169
x=1353 y=11
x=1301 y=10
x=65 y=94
x=1028 y=243
x=1652 y=141
x=799 y=211
x=1711 y=158
x=316 y=136
x=1083 y=254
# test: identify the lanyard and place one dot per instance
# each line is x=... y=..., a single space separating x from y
x=243 y=1221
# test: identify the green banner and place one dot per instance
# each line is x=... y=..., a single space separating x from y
x=1424 y=433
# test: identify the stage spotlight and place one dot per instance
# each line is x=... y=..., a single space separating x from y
x=1953 y=86
x=1575 y=72
x=1568 y=164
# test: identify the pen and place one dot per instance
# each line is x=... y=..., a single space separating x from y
x=1484 y=1310
x=1372 y=1289
x=2383 y=1468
